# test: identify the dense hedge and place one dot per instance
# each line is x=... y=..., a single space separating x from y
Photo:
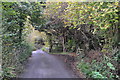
x=13 y=58
x=15 y=48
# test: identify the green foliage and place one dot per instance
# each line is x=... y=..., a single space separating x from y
x=9 y=72
x=65 y=22
x=68 y=18
x=103 y=69
x=104 y=17
x=15 y=48
x=110 y=66
x=43 y=49
x=84 y=67
x=25 y=52
x=95 y=74
x=70 y=45
x=15 y=57
x=36 y=14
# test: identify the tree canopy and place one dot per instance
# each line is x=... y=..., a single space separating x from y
x=92 y=27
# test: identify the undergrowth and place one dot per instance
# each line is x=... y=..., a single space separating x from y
x=105 y=69
x=13 y=61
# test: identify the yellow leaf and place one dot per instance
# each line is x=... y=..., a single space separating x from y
x=89 y=7
x=78 y=29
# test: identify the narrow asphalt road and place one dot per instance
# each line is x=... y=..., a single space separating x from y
x=43 y=65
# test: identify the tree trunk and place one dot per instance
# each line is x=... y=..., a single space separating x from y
x=63 y=44
x=118 y=33
x=20 y=31
x=50 y=41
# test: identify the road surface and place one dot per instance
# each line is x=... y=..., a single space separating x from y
x=43 y=65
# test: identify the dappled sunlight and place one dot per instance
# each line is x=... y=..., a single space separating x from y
x=60 y=40
x=38 y=52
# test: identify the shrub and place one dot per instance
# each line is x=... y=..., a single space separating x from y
x=103 y=69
